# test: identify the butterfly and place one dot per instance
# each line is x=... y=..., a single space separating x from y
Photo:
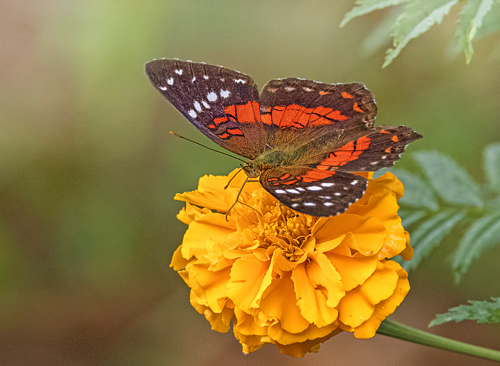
x=302 y=138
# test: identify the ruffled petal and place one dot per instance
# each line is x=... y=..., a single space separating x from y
x=318 y=289
x=244 y=290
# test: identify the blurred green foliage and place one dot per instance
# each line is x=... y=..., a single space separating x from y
x=88 y=170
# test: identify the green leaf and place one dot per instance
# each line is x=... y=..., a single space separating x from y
x=428 y=235
x=417 y=17
x=379 y=36
x=410 y=218
x=417 y=192
x=481 y=311
x=492 y=165
x=471 y=19
x=491 y=21
x=367 y=6
x=482 y=234
x=450 y=181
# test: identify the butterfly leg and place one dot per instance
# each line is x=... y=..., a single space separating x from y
x=237 y=197
x=247 y=180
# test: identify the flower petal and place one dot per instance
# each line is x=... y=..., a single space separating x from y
x=353 y=270
x=301 y=349
x=212 y=226
x=178 y=261
x=208 y=286
x=278 y=302
x=244 y=290
x=319 y=289
x=386 y=307
x=368 y=232
x=359 y=304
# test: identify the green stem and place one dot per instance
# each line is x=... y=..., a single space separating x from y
x=400 y=331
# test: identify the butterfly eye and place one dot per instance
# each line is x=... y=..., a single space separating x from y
x=251 y=170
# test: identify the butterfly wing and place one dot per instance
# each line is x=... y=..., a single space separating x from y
x=328 y=187
x=296 y=110
x=376 y=149
x=313 y=191
x=221 y=103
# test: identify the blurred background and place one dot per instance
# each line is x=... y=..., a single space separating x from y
x=88 y=170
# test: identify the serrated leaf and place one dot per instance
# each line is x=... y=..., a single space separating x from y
x=379 y=36
x=428 y=235
x=491 y=21
x=410 y=218
x=471 y=19
x=481 y=311
x=482 y=234
x=417 y=17
x=492 y=165
x=363 y=7
x=450 y=181
x=417 y=192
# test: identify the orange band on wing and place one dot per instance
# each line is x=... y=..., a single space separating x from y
x=315 y=175
x=244 y=113
x=346 y=153
x=298 y=116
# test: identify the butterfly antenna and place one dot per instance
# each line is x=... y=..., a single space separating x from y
x=234 y=176
x=206 y=147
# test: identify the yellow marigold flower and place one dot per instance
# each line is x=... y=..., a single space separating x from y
x=294 y=282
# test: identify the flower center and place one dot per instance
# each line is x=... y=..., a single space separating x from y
x=283 y=228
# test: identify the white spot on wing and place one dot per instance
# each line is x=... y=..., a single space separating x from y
x=205 y=104
x=307 y=89
x=314 y=188
x=240 y=81
x=300 y=189
x=374 y=163
x=310 y=204
x=354 y=182
x=224 y=93
x=205 y=77
x=327 y=184
x=170 y=81
x=384 y=157
x=328 y=204
x=289 y=88
x=193 y=79
x=179 y=71
x=338 y=194
x=280 y=191
x=294 y=191
x=163 y=88
x=192 y=113
x=294 y=205
x=197 y=106
x=212 y=97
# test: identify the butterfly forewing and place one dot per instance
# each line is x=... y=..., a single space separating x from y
x=313 y=191
x=302 y=105
x=221 y=103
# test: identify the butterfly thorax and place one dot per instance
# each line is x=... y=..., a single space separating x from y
x=282 y=156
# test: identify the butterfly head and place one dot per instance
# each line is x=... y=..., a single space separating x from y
x=251 y=169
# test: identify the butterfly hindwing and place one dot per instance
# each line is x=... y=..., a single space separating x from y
x=379 y=148
x=313 y=191
x=221 y=103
